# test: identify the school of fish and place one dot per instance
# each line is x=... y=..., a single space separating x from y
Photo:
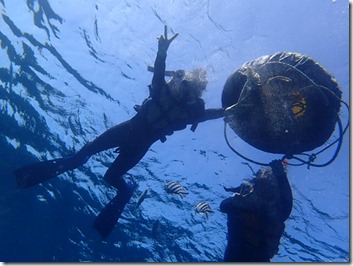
x=175 y=188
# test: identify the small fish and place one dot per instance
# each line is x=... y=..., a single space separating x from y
x=141 y=199
x=175 y=188
x=203 y=208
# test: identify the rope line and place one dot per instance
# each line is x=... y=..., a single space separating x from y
x=311 y=157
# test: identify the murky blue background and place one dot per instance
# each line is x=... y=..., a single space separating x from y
x=71 y=69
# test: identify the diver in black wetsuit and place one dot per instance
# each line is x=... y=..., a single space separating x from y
x=171 y=106
x=256 y=214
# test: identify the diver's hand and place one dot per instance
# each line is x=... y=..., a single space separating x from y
x=277 y=167
x=163 y=42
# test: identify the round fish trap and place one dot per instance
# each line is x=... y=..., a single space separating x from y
x=284 y=103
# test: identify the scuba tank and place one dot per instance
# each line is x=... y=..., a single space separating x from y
x=284 y=103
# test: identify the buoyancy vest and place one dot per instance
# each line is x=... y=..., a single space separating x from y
x=168 y=115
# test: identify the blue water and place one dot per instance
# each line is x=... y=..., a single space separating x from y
x=69 y=70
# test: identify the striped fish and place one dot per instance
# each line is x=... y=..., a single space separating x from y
x=203 y=208
x=175 y=188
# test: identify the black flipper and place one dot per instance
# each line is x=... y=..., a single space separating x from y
x=36 y=173
x=111 y=213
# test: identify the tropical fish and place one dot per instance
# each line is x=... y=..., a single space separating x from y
x=175 y=188
x=203 y=208
x=141 y=199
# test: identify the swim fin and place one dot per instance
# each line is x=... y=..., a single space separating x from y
x=109 y=216
x=36 y=173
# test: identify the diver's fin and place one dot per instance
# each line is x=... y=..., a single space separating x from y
x=111 y=213
x=36 y=173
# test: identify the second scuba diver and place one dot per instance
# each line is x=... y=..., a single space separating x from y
x=256 y=215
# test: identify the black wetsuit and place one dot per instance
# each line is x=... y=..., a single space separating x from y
x=160 y=115
x=255 y=227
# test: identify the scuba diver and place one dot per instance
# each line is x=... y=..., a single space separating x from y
x=170 y=107
x=256 y=214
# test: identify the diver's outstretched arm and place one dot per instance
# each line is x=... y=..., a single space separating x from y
x=232 y=189
x=158 y=80
x=212 y=113
x=208 y=114
x=284 y=186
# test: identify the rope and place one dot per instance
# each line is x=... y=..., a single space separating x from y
x=236 y=152
x=312 y=157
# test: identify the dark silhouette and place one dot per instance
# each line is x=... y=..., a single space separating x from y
x=170 y=107
x=256 y=215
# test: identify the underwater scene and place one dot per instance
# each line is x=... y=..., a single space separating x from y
x=174 y=131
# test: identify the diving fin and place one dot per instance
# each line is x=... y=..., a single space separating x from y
x=36 y=173
x=109 y=216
